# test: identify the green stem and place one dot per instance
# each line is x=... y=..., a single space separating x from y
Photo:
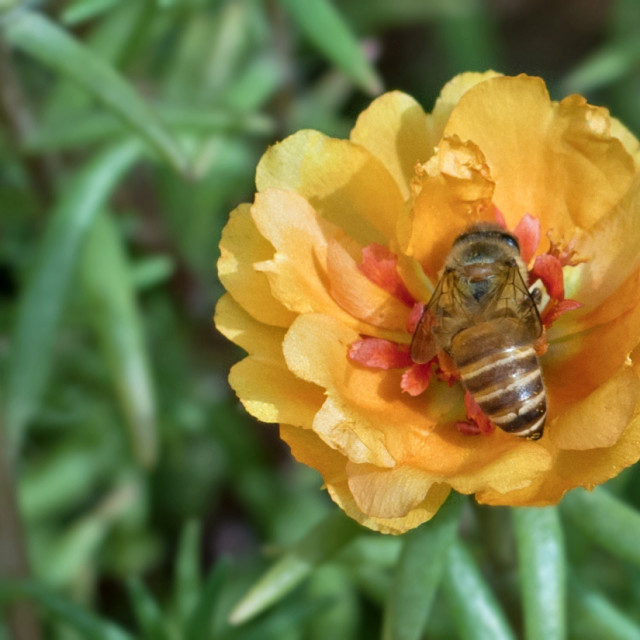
x=542 y=563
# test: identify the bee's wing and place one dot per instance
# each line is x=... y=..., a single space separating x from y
x=423 y=345
x=514 y=300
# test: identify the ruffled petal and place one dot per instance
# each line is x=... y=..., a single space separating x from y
x=556 y=161
x=309 y=449
x=454 y=190
x=298 y=272
x=265 y=386
x=343 y=182
x=360 y=297
x=611 y=250
x=241 y=247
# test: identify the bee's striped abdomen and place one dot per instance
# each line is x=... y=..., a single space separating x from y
x=504 y=380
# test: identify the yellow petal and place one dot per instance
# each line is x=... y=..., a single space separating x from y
x=574 y=469
x=241 y=247
x=451 y=94
x=599 y=420
x=395 y=129
x=233 y=322
x=297 y=273
x=630 y=142
x=270 y=393
x=343 y=182
x=265 y=386
x=514 y=467
x=455 y=190
x=387 y=493
x=363 y=299
x=556 y=161
x=578 y=364
x=358 y=440
x=611 y=249
x=309 y=449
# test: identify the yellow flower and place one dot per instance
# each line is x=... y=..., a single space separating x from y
x=344 y=235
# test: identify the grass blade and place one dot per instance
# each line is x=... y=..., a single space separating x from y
x=541 y=556
x=593 y=616
x=605 y=520
x=321 y=544
x=476 y=611
x=42 y=300
x=201 y=620
x=148 y=615
x=111 y=298
x=419 y=572
x=188 y=580
x=327 y=30
x=77 y=617
x=40 y=38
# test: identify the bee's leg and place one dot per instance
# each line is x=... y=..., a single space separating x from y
x=541 y=344
x=478 y=422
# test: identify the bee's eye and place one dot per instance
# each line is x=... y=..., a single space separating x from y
x=512 y=241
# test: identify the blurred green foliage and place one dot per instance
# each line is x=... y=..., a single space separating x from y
x=150 y=506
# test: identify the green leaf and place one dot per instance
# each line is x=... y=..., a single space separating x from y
x=148 y=615
x=476 y=611
x=542 y=562
x=44 y=294
x=78 y=618
x=201 y=620
x=419 y=572
x=606 y=520
x=40 y=38
x=604 y=67
x=318 y=546
x=82 y=128
x=188 y=580
x=82 y=10
x=323 y=25
x=593 y=616
x=116 y=317
x=79 y=543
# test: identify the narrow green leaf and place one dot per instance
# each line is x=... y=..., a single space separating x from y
x=326 y=29
x=476 y=611
x=419 y=572
x=77 y=617
x=82 y=10
x=188 y=578
x=36 y=36
x=606 y=520
x=318 y=546
x=593 y=616
x=148 y=615
x=605 y=66
x=44 y=294
x=80 y=541
x=88 y=127
x=200 y=622
x=110 y=295
x=541 y=556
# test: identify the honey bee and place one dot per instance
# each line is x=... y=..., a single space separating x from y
x=483 y=316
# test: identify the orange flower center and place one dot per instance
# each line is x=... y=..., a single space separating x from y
x=379 y=265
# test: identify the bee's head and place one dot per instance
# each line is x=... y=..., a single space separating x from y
x=484 y=244
x=483 y=232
